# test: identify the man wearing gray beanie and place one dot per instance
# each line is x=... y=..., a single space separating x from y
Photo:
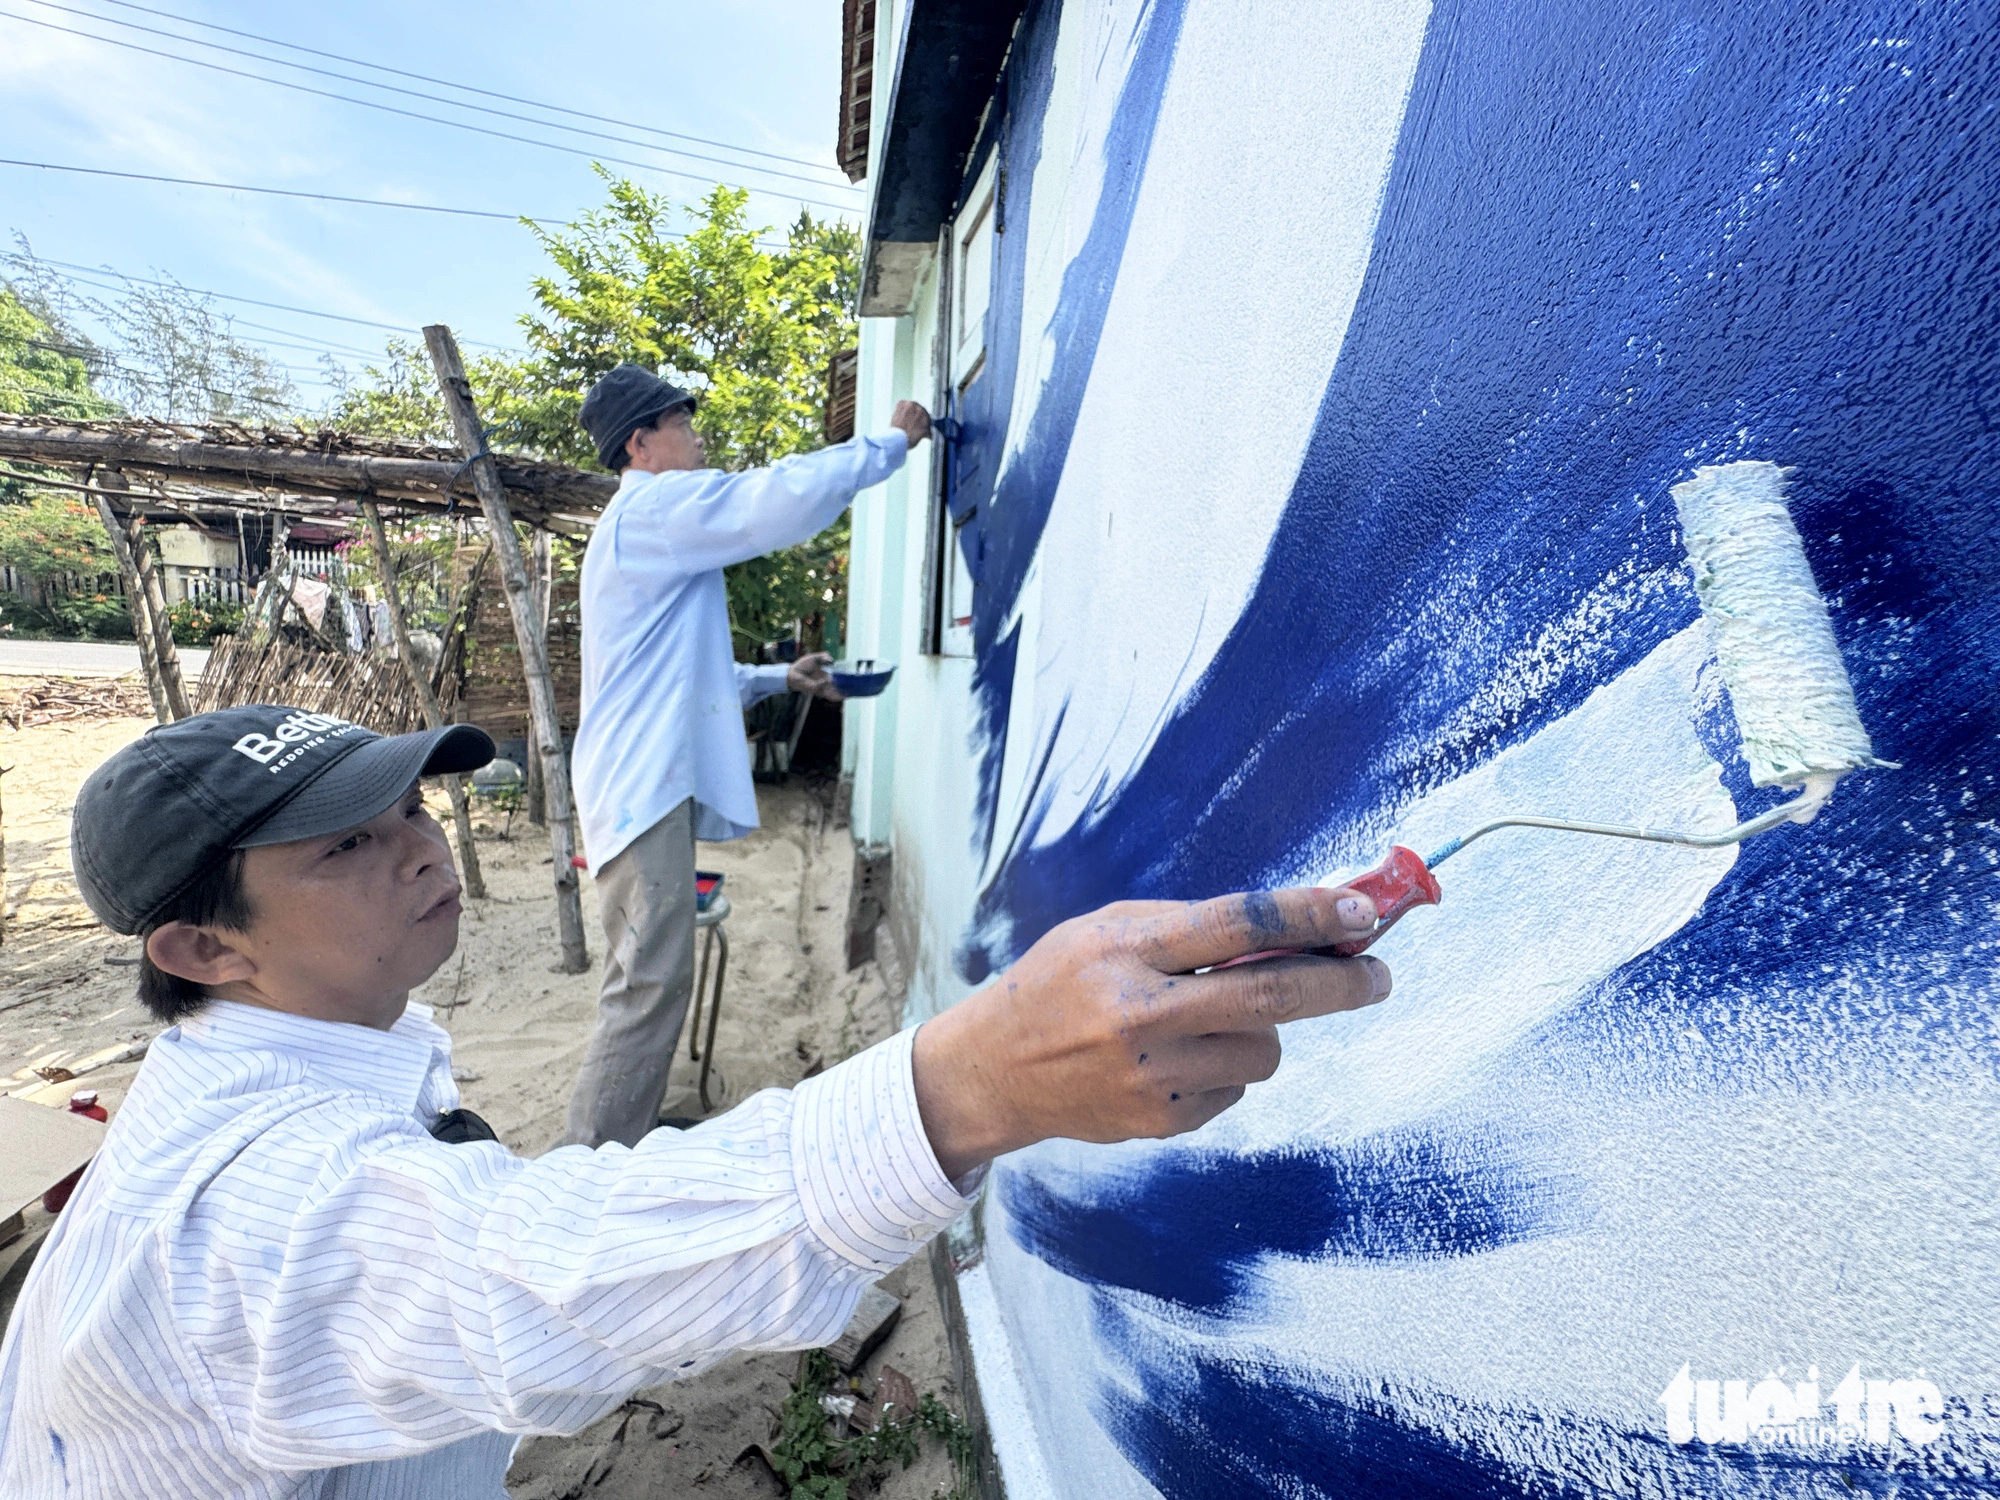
x=659 y=758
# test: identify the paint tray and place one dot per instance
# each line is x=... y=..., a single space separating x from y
x=860 y=679
x=706 y=884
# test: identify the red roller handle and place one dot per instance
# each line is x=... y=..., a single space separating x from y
x=1400 y=882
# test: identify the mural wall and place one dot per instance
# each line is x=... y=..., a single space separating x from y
x=1340 y=361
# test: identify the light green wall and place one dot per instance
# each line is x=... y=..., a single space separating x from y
x=906 y=751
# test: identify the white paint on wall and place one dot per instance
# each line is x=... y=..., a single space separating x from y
x=1003 y=1394
x=1689 y=1244
x=1529 y=926
x=1093 y=52
x=1682 y=1245
x=1781 y=1206
x=1531 y=919
x=1039 y=1310
x=1216 y=349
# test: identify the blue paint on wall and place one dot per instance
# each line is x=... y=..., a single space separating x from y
x=1027 y=488
x=1410 y=1196
x=998 y=557
x=992 y=686
x=1615 y=243
x=1540 y=350
x=1201 y=1427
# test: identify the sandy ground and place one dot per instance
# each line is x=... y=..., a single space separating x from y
x=518 y=1030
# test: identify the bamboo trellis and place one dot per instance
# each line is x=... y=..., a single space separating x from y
x=365 y=689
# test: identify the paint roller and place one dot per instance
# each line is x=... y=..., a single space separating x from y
x=1774 y=644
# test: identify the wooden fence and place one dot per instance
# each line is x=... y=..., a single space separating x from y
x=212 y=586
x=60 y=586
x=365 y=689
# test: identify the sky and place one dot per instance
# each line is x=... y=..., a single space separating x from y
x=762 y=76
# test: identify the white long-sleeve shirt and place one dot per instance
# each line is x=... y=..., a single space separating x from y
x=662 y=693
x=274 y=1282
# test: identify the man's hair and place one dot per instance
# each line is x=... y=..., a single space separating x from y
x=216 y=900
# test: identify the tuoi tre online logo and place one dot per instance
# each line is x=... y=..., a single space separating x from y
x=1777 y=1413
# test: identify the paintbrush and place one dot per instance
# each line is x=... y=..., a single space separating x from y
x=1790 y=693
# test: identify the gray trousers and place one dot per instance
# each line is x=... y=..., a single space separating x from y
x=645 y=896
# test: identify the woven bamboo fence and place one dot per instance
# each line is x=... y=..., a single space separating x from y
x=371 y=689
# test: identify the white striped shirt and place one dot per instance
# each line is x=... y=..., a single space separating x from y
x=274 y=1282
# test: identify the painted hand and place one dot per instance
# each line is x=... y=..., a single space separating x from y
x=913 y=419
x=809 y=675
x=1104 y=1032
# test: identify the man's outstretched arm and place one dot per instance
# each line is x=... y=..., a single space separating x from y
x=705 y=519
x=379 y=1294
x=1104 y=1031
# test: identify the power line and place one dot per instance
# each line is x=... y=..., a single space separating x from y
x=561 y=109
x=69 y=396
x=240 y=187
x=94 y=399
x=108 y=360
x=369 y=83
x=329 y=349
x=323 y=346
x=106 y=355
x=65 y=265
x=410 y=114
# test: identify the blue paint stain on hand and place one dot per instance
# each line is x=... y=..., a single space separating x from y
x=1192 y=1228
x=1260 y=909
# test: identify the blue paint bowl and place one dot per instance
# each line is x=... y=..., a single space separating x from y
x=860 y=679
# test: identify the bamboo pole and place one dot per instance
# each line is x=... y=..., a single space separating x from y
x=163 y=626
x=317 y=476
x=543 y=585
x=544 y=724
x=3 y=864
x=392 y=597
x=279 y=573
x=135 y=605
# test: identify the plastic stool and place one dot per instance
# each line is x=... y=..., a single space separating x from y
x=714 y=935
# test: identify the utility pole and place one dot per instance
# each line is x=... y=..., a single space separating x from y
x=163 y=627
x=135 y=605
x=545 y=727
x=392 y=598
x=543 y=584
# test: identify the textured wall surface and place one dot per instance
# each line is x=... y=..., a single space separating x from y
x=1340 y=362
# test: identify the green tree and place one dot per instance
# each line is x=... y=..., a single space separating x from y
x=58 y=543
x=170 y=353
x=399 y=397
x=752 y=331
x=41 y=371
x=180 y=359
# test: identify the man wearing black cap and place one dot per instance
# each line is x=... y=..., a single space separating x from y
x=296 y=1268
x=659 y=758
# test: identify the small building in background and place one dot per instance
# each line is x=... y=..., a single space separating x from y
x=194 y=559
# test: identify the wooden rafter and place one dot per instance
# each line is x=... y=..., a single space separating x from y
x=304 y=472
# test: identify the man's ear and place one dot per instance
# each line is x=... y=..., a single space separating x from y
x=202 y=955
x=634 y=451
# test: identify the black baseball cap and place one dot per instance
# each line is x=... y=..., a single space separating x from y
x=177 y=801
x=622 y=402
